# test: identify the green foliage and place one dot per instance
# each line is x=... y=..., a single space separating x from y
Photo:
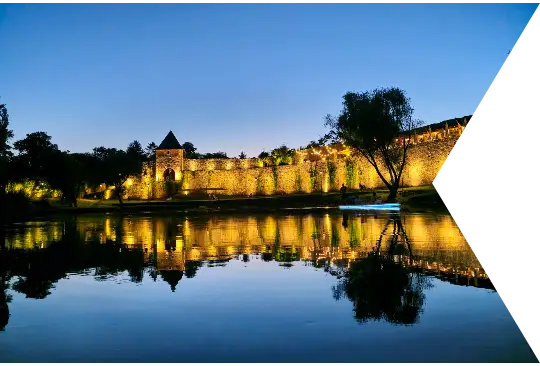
x=135 y=148
x=275 y=176
x=334 y=239
x=216 y=155
x=332 y=174
x=259 y=184
x=5 y=133
x=282 y=155
x=353 y=234
x=298 y=183
x=266 y=159
x=171 y=187
x=35 y=154
x=150 y=151
x=190 y=151
x=114 y=167
x=184 y=180
x=350 y=172
x=312 y=177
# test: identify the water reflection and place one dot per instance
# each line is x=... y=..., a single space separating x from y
x=380 y=263
x=381 y=285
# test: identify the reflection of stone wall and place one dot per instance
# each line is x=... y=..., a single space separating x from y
x=437 y=242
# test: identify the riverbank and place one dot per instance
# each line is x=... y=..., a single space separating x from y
x=418 y=199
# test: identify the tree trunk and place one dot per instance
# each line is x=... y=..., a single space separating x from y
x=392 y=196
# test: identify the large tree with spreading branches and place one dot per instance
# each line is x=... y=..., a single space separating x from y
x=377 y=125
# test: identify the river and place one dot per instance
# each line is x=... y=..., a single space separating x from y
x=250 y=288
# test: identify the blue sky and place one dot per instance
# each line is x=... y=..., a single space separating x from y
x=243 y=77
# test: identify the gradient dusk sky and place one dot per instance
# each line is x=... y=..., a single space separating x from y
x=243 y=77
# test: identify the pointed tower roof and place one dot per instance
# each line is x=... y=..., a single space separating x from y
x=169 y=143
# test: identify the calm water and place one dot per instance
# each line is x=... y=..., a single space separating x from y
x=298 y=288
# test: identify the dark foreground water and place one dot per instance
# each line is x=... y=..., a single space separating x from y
x=301 y=288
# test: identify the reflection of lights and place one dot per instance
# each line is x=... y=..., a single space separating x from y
x=435 y=241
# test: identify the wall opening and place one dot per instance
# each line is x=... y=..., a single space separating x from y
x=168 y=174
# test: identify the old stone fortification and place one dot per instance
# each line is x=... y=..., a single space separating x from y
x=320 y=169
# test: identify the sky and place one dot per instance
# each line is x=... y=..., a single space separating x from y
x=239 y=77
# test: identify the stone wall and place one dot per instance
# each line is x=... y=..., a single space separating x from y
x=221 y=164
x=425 y=161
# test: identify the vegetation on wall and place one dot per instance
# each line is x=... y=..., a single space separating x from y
x=277 y=157
x=298 y=183
x=331 y=166
x=350 y=170
x=184 y=180
x=209 y=181
x=312 y=177
x=172 y=187
x=275 y=177
x=259 y=182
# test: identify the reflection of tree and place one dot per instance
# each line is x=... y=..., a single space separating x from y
x=5 y=298
x=38 y=270
x=172 y=277
x=380 y=286
x=191 y=268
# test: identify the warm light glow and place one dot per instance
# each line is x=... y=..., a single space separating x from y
x=238 y=176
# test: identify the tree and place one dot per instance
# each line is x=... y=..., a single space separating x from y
x=150 y=151
x=216 y=155
x=190 y=151
x=266 y=158
x=114 y=167
x=242 y=155
x=35 y=152
x=378 y=125
x=68 y=173
x=5 y=133
x=282 y=155
x=135 y=149
x=5 y=150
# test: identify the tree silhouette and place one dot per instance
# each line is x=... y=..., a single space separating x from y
x=172 y=277
x=4 y=297
x=191 y=268
x=370 y=123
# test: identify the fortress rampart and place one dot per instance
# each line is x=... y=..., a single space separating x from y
x=321 y=169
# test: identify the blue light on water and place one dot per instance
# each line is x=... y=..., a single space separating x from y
x=380 y=207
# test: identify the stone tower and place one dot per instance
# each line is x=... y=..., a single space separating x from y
x=169 y=159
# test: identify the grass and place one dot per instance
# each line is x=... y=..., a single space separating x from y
x=416 y=199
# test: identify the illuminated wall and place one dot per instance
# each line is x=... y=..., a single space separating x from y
x=244 y=177
x=314 y=170
x=221 y=164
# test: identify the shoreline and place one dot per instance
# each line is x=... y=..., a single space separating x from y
x=420 y=200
